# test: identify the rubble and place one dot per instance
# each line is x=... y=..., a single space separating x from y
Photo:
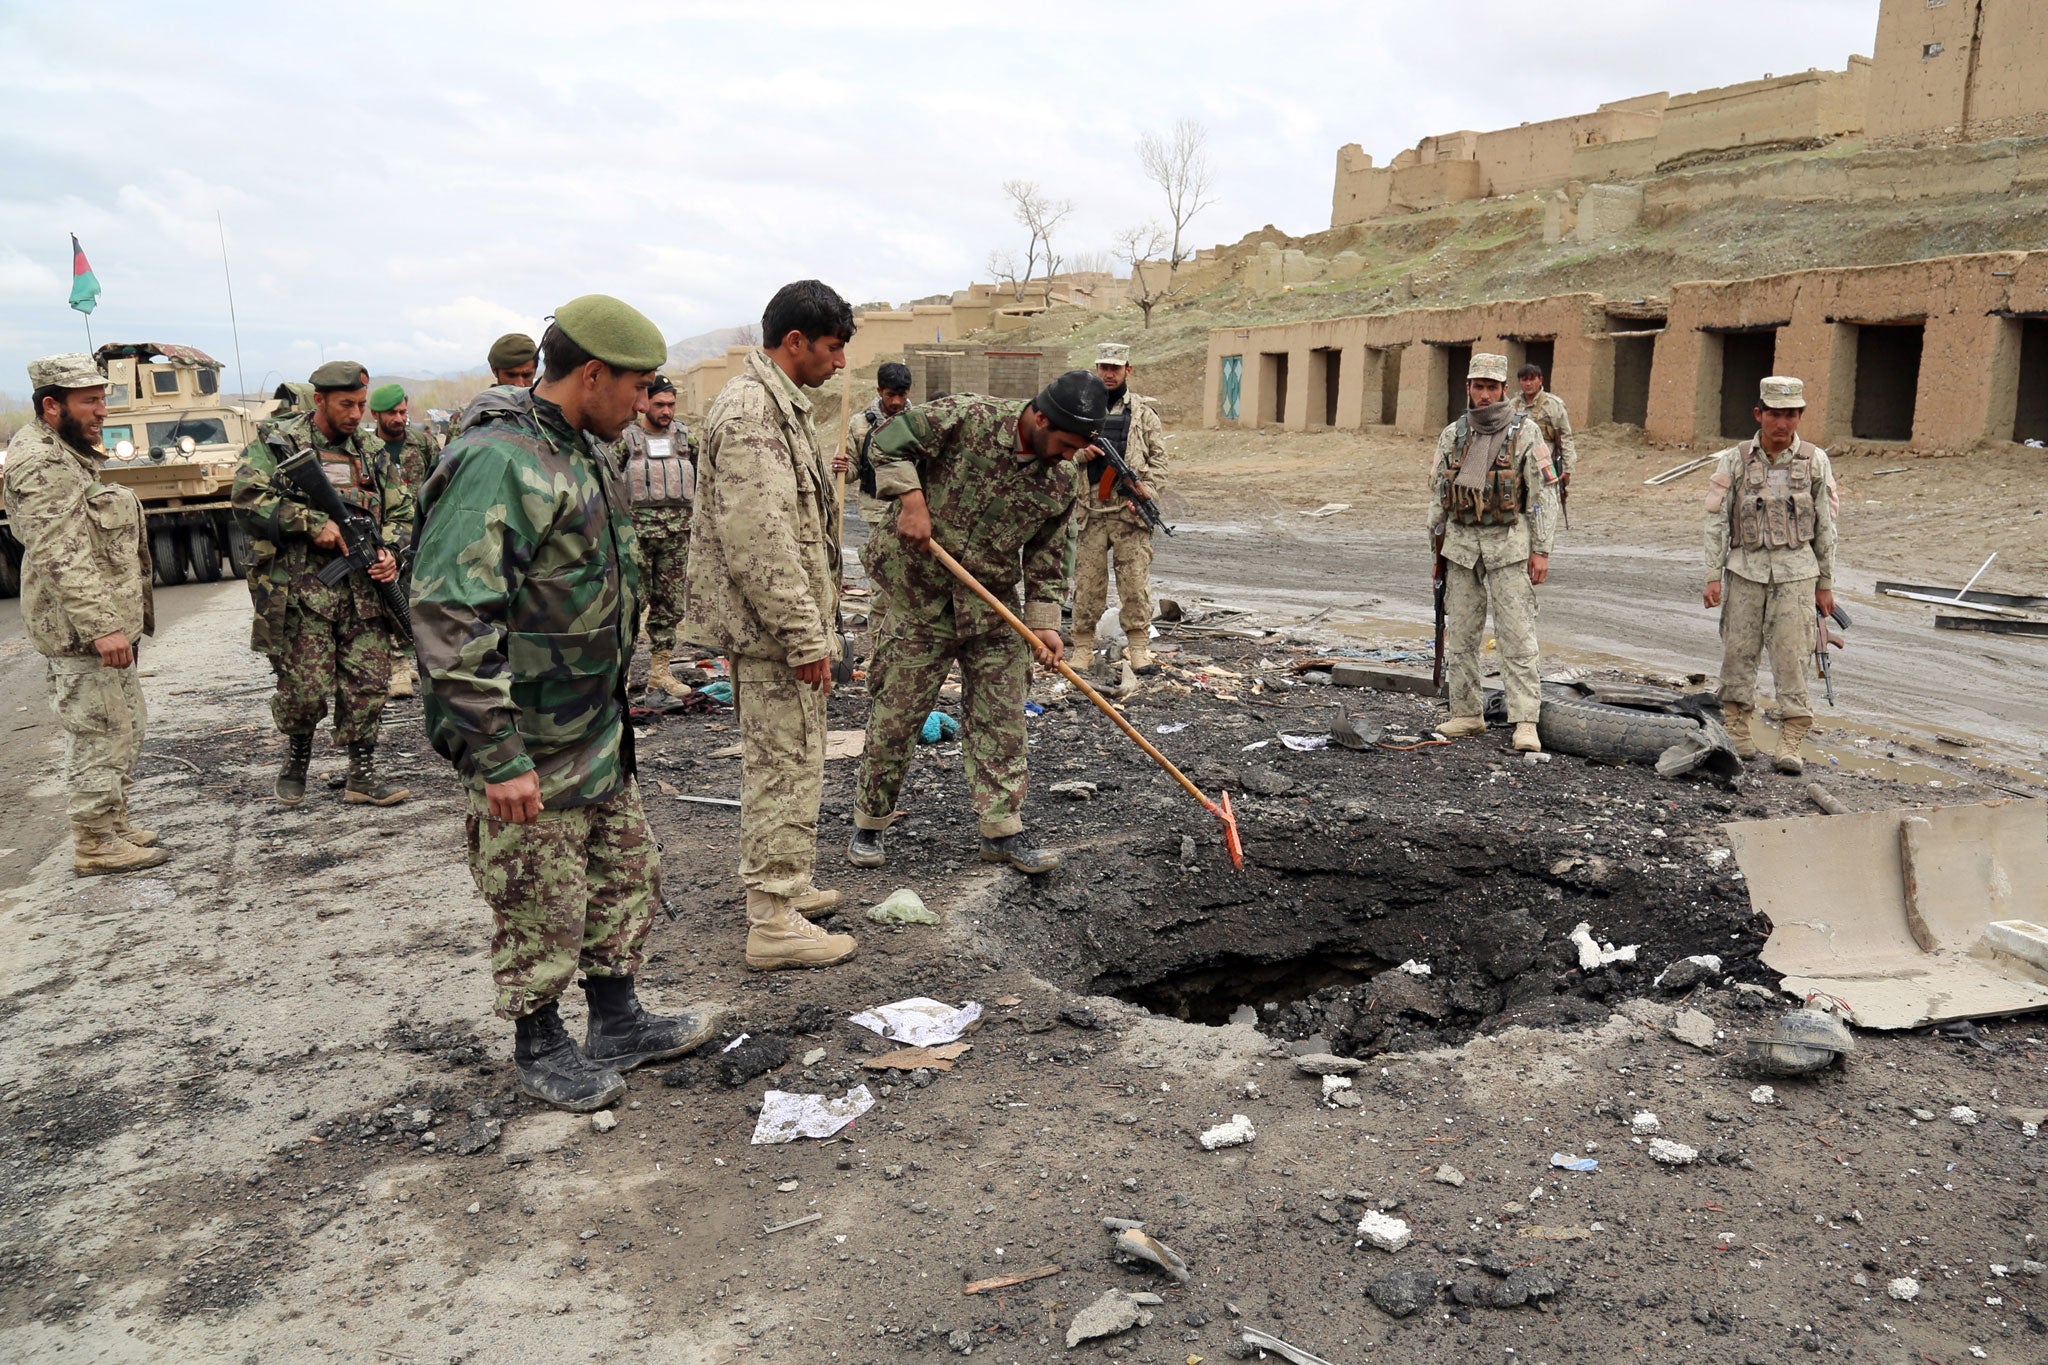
x=1116 y=1311
x=1399 y=1293
x=1235 y=1133
x=1672 y=1153
x=1693 y=1029
x=1383 y=1231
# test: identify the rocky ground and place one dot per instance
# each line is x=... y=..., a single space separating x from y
x=255 y=1106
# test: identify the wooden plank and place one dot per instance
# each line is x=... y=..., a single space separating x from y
x=1005 y=1281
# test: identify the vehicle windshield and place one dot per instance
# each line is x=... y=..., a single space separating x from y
x=205 y=431
x=111 y=436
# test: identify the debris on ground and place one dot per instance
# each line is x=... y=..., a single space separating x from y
x=1671 y=1153
x=1693 y=1029
x=1688 y=972
x=902 y=906
x=1383 y=1230
x=1131 y=1242
x=604 y=1121
x=1266 y=1341
x=1801 y=1043
x=1449 y=1175
x=1235 y=1133
x=1905 y=1289
x=1592 y=955
x=919 y=1020
x=787 y=1116
x=747 y=1057
x=1565 y=1162
x=1116 y=1311
x=1399 y=1293
x=939 y=1058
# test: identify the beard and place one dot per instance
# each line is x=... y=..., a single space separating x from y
x=72 y=432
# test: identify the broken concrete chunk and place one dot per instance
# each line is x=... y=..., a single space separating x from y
x=1449 y=1175
x=1645 y=1123
x=1325 y=1064
x=1688 y=972
x=1114 y=1312
x=1399 y=1293
x=1074 y=790
x=1694 y=1029
x=1235 y=1133
x=1905 y=1289
x=1333 y=1084
x=1383 y=1231
x=604 y=1121
x=1672 y=1153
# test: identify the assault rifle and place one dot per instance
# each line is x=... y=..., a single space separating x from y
x=1438 y=579
x=1822 y=639
x=361 y=543
x=1117 y=471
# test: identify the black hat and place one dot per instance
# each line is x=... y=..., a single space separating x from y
x=661 y=383
x=1075 y=402
x=894 y=376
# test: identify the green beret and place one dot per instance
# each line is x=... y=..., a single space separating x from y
x=614 y=332
x=511 y=351
x=339 y=374
x=385 y=397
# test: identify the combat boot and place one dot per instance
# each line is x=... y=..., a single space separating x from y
x=96 y=850
x=402 y=682
x=778 y=937
x=134 y=834
x=554 y=1070
x=1735 y=720
x=814 y=903
x=1081 y=655
x=658 y=675
x=290 y=787
x=1526 y=740
x=364 y=787
x=1016 y=850
x=1139 y=657
x=865 y=849
x=623 y=1035
x=1791 y=733
x=1462 y=727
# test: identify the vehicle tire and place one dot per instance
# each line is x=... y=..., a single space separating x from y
x=1610 y=734
x=10 y=566
x=241 y=549
x=167 y=548
x=202 y=551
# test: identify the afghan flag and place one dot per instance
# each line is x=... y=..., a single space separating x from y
x=85 y=286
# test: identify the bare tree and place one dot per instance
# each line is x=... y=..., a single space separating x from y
x=749 y=335
x=1134 y=247
x=1179 y=166
x=1091 y=263
x=1003 y=265
x=1040 y=215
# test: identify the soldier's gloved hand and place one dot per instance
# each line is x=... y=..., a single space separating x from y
x=385 y=570
x=114 y=650
x=328 y=537
x=816 y=675
x=515 y=800
x=1712 y=596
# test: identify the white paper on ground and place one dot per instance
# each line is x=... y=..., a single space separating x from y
x=787 y=1116
x=918 y=1021
x=1303 y=743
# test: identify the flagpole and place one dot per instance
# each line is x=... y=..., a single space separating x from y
x=241 y=382
x=88 y=332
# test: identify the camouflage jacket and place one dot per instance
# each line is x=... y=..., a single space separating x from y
x=414 y=453
x=1002 y=515
x=525 y=599
x=861 y=429
x=1144 y=450
x=1725 y=553
x=1556 y=425
x=764 y=554
x=84 y=553
x=1531 y=533
x=283 y=561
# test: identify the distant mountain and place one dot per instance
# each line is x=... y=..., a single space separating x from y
x=692 y=349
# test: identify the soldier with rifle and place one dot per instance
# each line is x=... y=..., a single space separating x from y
x=329 y=514
x=1117 y=515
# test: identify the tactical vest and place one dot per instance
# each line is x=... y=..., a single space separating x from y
x=864 y=461
x=1503 y=498
x=344 y=468
x=1773 y=503
x=658 y=472
x=1116 y=429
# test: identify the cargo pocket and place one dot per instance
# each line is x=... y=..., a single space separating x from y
x=82 y=697
x=810 y=521
x=561 y=682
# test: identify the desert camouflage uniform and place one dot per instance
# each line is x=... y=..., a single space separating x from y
x=661 y=521
x=1551 y=418
x=1115 y=529
x=324 y=640
x=1767 y=592
x=1005 y=518
x=764 y=591
x=524 y=597
x=1490 y=563
x=85 y=571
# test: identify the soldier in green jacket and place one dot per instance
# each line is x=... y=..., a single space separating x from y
x=325 y=640
x=990 y=480
x=525 y=600
x=414 y=450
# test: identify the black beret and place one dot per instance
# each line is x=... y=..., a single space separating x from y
x=1075 y=402
x=661 y=383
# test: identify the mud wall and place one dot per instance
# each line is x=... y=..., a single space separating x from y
x=1960 y=69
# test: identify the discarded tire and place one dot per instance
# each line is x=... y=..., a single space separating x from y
x=1572 y=724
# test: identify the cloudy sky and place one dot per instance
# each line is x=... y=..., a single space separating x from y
x=401 y=183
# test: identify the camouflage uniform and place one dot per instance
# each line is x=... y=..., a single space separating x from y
x=1489 y=562
x=1770 y=566
x=877 y=513
x=524 y=598
x=85 y=572
x=1551 y=418
x=1115 y=529
x=764 y=590
x=413 y=453
x=324 y=641
x=1005 y=518
x=661 y=489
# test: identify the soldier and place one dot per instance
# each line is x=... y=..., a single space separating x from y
x=86 y=602
x=1771 y=509
x=764 y=591
x=892 y=395
x=1491 y=521
x=512 y=359
x=524 y=607
x=325 y=640
x=661 y=477
x=1551 y=418
x=1111 y=527
x=989 y=480
x=413 y=450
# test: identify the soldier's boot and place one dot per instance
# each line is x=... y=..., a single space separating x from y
x=364 y=787
x=1017 y=850
x=815 y=902
x=1526 y=740
x=865 y=849
x=1462 y=727
x=134 y=834
x=778 y=937
x=1139 y=657
x=659 y=676
x=623 y=1035
x=1735 y=719
x=96 y=850
x=290 y=787
x=554 y=1070
x=1082 y=655
x=402 y=681
x=1791 y=734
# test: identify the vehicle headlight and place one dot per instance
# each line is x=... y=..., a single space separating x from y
x=186 y=445
x=124 y=450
